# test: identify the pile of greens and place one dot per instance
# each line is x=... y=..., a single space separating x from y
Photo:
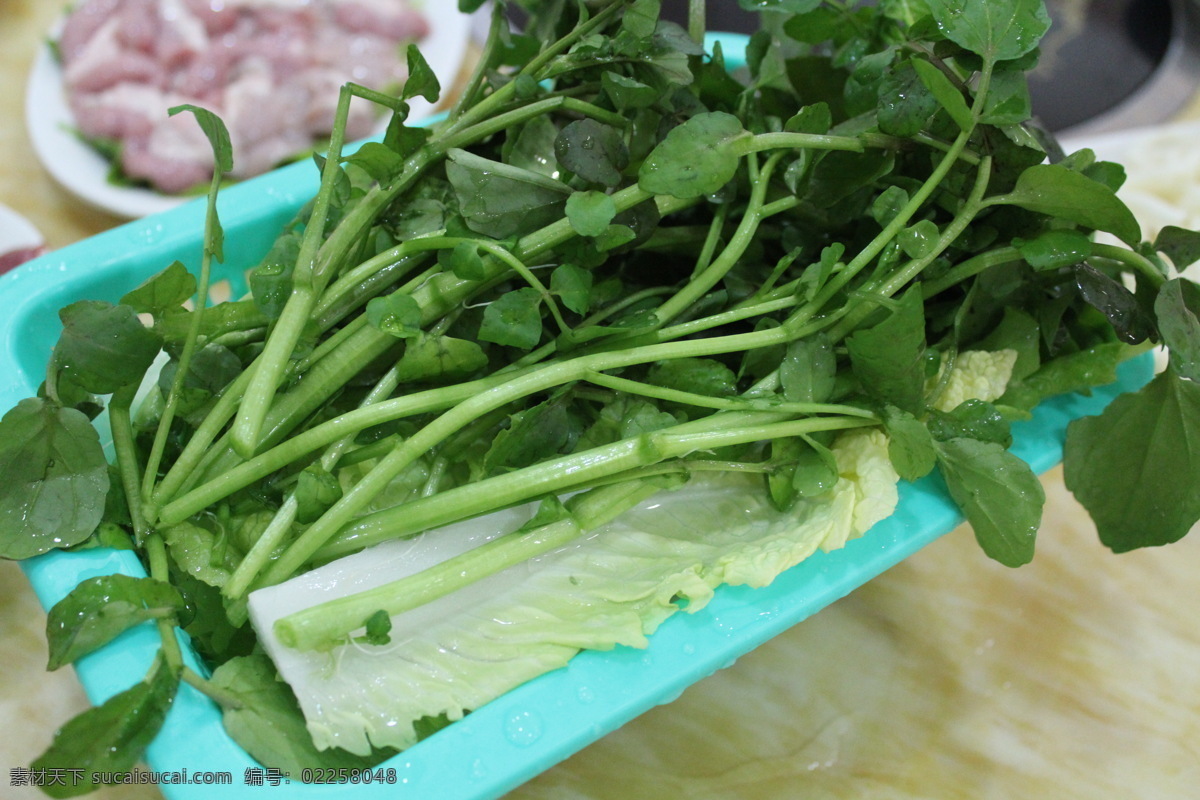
x=613 y=266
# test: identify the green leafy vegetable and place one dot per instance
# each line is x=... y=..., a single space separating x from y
x=696 y=158
x=55 y=478
x=590 y=212
x=996 y=32
x=998 y=492
x=499 y=200
x=592 y=150
x=164 y=292
x=104 y=347
x=100 y=608
x=1153 y=435
x=889 y=357
x=613 y=274
x=421 y=80
x=945 y=92
x=1177 y=309
x=514 y=319
x=1055 y=190
x=111 y=737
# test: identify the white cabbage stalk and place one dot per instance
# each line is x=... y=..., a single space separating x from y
x=613 y=587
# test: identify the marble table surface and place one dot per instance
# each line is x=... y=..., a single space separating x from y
x=949 y=676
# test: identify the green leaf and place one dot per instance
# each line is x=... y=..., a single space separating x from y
x=700 y=375
x=572 y=285
x=861 y=94
x=945 y=92
x=779 y=481
x=204 y=554
x=1177 y=308
x=104 y=347
x=1007 y=101
x=549 y=510
x=623 y=418
x=112 y=737
x=397 y=314
x=533 y=147
x=72 y=396
x=905 y=11
x=1180 y=245
x=695 y=158
x=227 y=317
x=816 y=470
x=996 y=31
x=1060 y=192
x=214 y=129
x=500 y=200
x=808 y=370
x=210 y=629
x=905 y=102
x=910 y=445
x=820 y=25
x=211 y=369
x=421 y=80
x=590 y=212
x=805 y=468
x=1055 y=249
x=98 y=609
x=1000 y=495
x=378 y=629
x=1073 y=372
x=627 y=93
x=464 y=261
x=813 y=118
x=430 y=357
x=53 y=479
x=888 y=204
x=401 y=139
x=316 y=492
x=840 y=174
x=517 y=50
x=1130 y=321
x=592 y=150
x=268 y=723
x=920 y=239
x=532 y=435
x=164 y=291
x=514 y=319
x=1020 y=332
x=971 y=419
x=641 y=18
x=889 y=357
x=378 y=160
x=271 y=281
x=1136 y=466
x=787 y=6
x=1108 y=173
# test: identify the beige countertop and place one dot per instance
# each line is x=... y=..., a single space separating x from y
x=949 y=676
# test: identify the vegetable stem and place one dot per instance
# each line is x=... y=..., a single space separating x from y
x=521 y=386
x=222 y=697
x=156 y=552
x=307 y=280
x=183 y=367
x=568 y=473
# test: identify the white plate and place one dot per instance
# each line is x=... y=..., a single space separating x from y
x=17 y=233
x=84 y=172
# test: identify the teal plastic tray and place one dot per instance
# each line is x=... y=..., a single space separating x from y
x=529 y=729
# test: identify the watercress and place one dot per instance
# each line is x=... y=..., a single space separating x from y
x=612 y=266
